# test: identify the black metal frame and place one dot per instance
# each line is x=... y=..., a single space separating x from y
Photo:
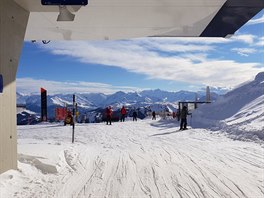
x=64 y=2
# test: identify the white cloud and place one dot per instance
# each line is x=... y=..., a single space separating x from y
x=260 y=41
x=194 y=40
x=30 y=85
x=143 y=56
x=244 y=51
x=219 y=90
x=246 y=38
x=256 y=21
x=180 y=47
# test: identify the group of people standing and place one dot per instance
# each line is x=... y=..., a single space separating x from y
x=123 y=112
x=182 y=116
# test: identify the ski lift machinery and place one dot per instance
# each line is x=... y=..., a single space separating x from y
x=64 y=13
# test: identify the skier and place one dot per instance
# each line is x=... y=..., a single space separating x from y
x=153 y=115
x=123 y=114
x=183 y=116
x=134 y=115
x=109 y=115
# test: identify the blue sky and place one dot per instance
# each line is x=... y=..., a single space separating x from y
x=171 y=64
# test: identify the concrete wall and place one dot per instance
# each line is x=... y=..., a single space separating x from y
x=13 y=22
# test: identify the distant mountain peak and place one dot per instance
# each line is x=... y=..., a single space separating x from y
x=259 y=77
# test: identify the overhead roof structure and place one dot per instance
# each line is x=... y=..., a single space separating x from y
x=121 y=19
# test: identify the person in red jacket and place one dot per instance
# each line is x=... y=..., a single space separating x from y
x=123 y=114
x=108 y=113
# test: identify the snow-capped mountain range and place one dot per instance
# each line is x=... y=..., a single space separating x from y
x=243 y=105
x=99 y=100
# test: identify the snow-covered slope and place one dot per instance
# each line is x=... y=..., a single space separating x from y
x=248 y=123
x=239 y=111
x=132 y=159
x=250 y=117
x=148 y=158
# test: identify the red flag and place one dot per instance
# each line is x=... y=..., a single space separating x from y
x=42 y=90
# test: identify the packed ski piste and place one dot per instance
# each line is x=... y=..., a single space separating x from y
x=220 y=155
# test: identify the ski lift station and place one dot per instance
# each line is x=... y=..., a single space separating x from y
x=47 y=20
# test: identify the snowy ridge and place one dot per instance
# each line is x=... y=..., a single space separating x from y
x=248 y=123
x=58 y=101
x=240 y=112
x=92 y=105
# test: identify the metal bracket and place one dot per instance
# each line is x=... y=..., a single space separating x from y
x=1 y=83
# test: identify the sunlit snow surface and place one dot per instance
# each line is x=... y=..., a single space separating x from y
x=239 y=113
x=133 y=159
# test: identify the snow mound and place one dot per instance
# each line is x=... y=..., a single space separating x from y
x=240 y=112
x=248 y=123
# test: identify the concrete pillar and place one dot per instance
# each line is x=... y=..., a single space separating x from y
x=13 y=22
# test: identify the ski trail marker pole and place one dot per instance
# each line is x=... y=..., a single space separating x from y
x=73 y=117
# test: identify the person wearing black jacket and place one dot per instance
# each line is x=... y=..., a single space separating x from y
x=134 y=116
x=153 y=115
x=183 y=116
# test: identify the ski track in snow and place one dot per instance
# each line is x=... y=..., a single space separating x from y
x=134 y=159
